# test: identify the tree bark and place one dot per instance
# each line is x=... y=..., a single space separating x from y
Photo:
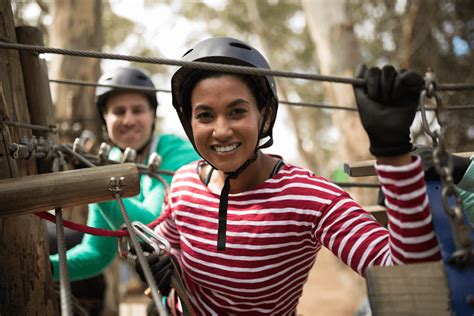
x=26 y=286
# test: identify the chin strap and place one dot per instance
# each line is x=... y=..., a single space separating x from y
x=223 y=201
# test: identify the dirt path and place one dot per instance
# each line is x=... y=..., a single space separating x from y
x=332 y=288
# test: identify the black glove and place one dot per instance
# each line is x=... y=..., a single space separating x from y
x=460 y=164
x=387 y=105
x=162 y=270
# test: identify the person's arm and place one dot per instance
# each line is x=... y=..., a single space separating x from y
x=175 y=153
x=466 y=186
x=467 y=180
x=92 y=255
x=354 y=236
x=387 y=104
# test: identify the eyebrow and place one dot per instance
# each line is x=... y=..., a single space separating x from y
x=230 y=105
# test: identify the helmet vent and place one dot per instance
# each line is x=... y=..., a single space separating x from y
x=188 y=52
x=240 y=45
x=142 y=77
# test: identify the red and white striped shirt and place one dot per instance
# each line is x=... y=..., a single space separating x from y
x=275 y=230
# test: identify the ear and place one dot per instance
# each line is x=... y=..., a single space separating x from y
x=266 y=114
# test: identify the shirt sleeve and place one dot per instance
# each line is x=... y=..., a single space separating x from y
x=467 y=181
x=95 y=253
x=92 y=255
x=358 y=240
x=466 y=191
x=175 y=153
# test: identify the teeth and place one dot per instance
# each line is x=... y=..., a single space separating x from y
x=223 y=149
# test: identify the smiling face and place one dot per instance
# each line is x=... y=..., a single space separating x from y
x=225 y=121
x=129 y=119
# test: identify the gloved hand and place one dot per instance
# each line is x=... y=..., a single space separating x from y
x=460 y=164
x=162 y=270
x=387 y=105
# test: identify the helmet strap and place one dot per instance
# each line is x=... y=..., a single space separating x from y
x=224 y=199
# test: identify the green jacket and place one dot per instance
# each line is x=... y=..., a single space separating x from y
x=466 y=186
x=95 y=253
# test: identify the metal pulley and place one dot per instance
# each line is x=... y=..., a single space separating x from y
x=104 y=151
x=80 y=144
x=154 y=162
x=129 y=155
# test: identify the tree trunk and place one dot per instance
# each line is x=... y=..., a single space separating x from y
x=331 y=29
x=26 y=286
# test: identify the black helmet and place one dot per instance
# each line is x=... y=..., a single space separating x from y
x=222 y=50
x=124 y=76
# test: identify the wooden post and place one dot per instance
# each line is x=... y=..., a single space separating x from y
x=38 y=94
x=26 y=286
x=63 y=189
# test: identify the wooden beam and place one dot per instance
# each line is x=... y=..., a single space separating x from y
x=64 y=189
x=366 y=168
x=413 y=289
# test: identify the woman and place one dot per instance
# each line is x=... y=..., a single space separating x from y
x=128 y=116
x=247 y=226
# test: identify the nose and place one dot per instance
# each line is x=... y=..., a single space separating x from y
x=128 y=118
x=222 y=130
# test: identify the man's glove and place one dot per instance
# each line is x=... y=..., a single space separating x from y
x=162 y=270
x=387 y=105
x=460 y=164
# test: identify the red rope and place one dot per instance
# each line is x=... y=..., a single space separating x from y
x=96 y=231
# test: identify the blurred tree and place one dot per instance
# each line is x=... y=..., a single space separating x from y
x=76 y=25
x=420 y=35
x=331 y=27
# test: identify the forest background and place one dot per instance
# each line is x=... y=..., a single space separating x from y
x=327 y=37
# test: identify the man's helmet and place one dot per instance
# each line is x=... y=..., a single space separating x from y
x=124 y=76
x=222 y=50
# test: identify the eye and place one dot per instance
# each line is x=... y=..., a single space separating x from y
x=118 y=111
x=238 y=112
x=138 y=110
x=203 y=116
